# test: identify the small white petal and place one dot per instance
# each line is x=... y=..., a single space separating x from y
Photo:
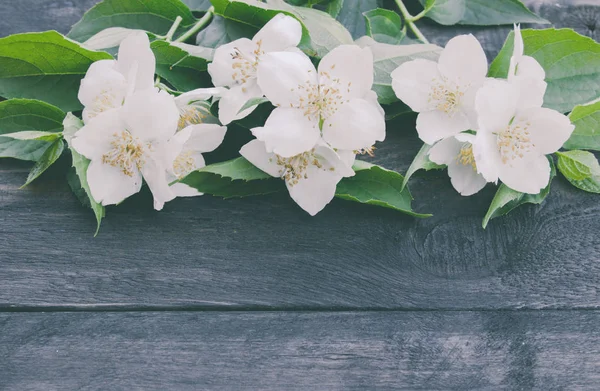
x=348 y=158
x=281 y=73
x=315 y=191
x=372 y=98
x=340 y=162
x=234 y=99
x=256 y=153
x=109 y=185
x=102 y=89
x=465 y=179
x=94 y=139
x=205 y=137
x=288 y=132
x=436 y=125
x=487 y=155
x=530 y=81
x=412 y=83
x=221 y=68
x=548 y=128
x=151 y=115
x=496 y=104
x=280 y=33
x=526 y=175
x=183 y=190
x=356 y=125
x=154 y=172
x=195 y=50
x=199 y=94
x=348 y=68
x=463 y=60
x=445 y=151
x=135 y=53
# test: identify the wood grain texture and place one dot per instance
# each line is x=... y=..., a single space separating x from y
x=265 y=252
x=549 y=350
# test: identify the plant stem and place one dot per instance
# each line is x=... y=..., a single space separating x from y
x=410 y=20
x=171 y=32
x=203 y=22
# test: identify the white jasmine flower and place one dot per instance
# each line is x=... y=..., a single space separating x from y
x=127 y=145
x=335 y=102
x=311 y=177
x=194 y=106
x=443 y=93
x=235 y=64
x=184 y=152
x=512 y=141
x=457 y=153
x=527 y=74
x=108 y=82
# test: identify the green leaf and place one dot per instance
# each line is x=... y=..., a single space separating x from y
x=446 y=12
x=395 y=110
x=51 y=155
x=334 y=7
x=421 y=162
x=24 y=115
x=221 y=31
x=386 y=58
x=586 y=135
x=253 y=102
x=480 y=12
x=375 y=185
x=321 y=33
x=233 y=178
x=581 y=168
x=197 y=5
x=156 y=16
x=44 y=66
x=184 y=71
x=34 y=135
x=78 y=179
x=351 y=15
x=384 y=26
x=571 y=62
x=507 y=199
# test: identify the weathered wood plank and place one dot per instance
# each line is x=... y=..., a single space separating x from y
x=265 y=252
x=551 y=350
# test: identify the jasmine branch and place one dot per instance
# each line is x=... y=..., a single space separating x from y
x=410 y=20
x=202 y=23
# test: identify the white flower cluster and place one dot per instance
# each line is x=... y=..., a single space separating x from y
x=324 y=117
x=134 y=131
x=484 y=129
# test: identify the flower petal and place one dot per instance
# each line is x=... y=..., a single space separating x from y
x=445 y=151
x=348 y=68
x=412 y=83
x=548 y=128
x=205 y=137
x=526 y=175
x=436 y=125
x=465 y=179
x=102 y=89
x=109 y=185
x=280 y=33
x=151 y=115
x=199 y=94
x=463 y=60
x=234 y=99
x=183 y=190
x=496 y=104
x=487 y=155
x=315 y=191
x=256 y=153
x=221 y=68
x=281 y=74
x=339 y=162
x=517 y=51
x=530 y=81
x=94 y=139
x=356 y=125
x=135 y=53
x=154 y=172
x=288 y=132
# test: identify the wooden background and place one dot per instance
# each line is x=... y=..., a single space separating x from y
x=255 y=294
